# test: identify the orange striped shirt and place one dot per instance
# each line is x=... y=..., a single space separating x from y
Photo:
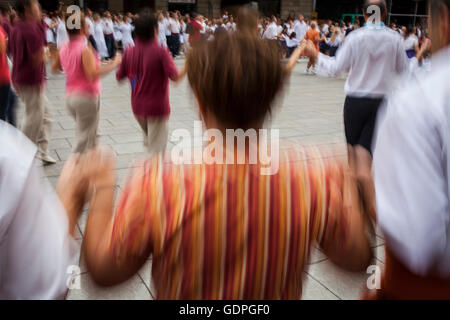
x=226 y=231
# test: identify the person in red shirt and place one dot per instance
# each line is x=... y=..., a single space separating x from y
x=196 y=29
x=149 y=67
x=27 y=45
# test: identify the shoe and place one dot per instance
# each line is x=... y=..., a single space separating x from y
x=46 y=159
x=307 y=72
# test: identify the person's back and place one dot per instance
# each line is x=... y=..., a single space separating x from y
x=27 y=40
x=377 y=57
x=221 y=229
x=72 y=64
x=149 y=67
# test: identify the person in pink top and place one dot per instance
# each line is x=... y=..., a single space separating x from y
x=81 y=64
x=149 y=67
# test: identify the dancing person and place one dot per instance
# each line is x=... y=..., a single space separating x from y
x=37 y=226
x=411 y=42
x=174 y=27
x=148 y=66
x=27 y=51
x=61 y=33
x=411 y=162
x=162 y=40
x=126 y=30
x=99 y=37
x=373 y=56
x=207 y=225
x=300 y=28
x=313 y=35
x=81 y=64
x=90 y=23
x=108 y=33
x=196 y=34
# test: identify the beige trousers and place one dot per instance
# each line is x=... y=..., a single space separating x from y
x=38 y=118
x=85 y=111
x=156 y=133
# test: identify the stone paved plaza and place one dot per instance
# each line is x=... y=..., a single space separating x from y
x=309 y=112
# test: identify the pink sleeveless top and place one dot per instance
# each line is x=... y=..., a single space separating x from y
x=71 y=62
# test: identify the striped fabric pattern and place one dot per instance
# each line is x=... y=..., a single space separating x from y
x=226 y=231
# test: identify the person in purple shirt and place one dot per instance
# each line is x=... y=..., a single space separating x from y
x=149 y=67
x=27 y=45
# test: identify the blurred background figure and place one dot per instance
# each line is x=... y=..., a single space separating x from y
x=27 y=49
x=411 y=168
x=373 y=56
x=81 y=65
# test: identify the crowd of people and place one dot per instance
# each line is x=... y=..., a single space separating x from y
x=224 y=231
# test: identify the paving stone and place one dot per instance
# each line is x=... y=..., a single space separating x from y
x=133 y=289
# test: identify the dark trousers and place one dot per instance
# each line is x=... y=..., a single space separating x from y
x=111 y=45
x=93 y=43
x=7 y=104
x=174 y=44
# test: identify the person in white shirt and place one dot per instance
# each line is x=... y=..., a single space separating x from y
x=300 y=28
x=99 y=37
x=271 y=32
x=411 y=172
x=38 y=251
x=166 y=22
x=61 y=33
x=90 y=23
x=231 y=25
x=126 y=30
x=175 y=30
x=117 y=23
x=108 y=30
x=373 y=56
x=162 y=40
x=410 y=42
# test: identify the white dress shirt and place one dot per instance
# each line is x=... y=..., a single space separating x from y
x=108 y=26
x=271 y=31
x=300 y=29
x=372 y=56
x=174 y=26
x=91 y=26
x=35 y=246
x=62 y=37
x=166 y=23
x=411 y=171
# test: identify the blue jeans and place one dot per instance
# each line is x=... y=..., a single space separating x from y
x=7 y=104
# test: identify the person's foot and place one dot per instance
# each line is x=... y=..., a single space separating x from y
x=46 y=159
x=307 y=71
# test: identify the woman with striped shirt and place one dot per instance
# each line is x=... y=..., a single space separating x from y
x=224 y=231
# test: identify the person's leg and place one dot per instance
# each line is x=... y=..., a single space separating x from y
x=158 y=134
x=86 y=110
x=34 y=112
x=364 y=157
x=113 y=48
x=45 y=132
x=176 y=45
x=4 y=97
x=93 y=43
x=143 y=124
x=11 y=108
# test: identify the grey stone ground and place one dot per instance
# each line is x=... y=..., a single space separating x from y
x=310 y=112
